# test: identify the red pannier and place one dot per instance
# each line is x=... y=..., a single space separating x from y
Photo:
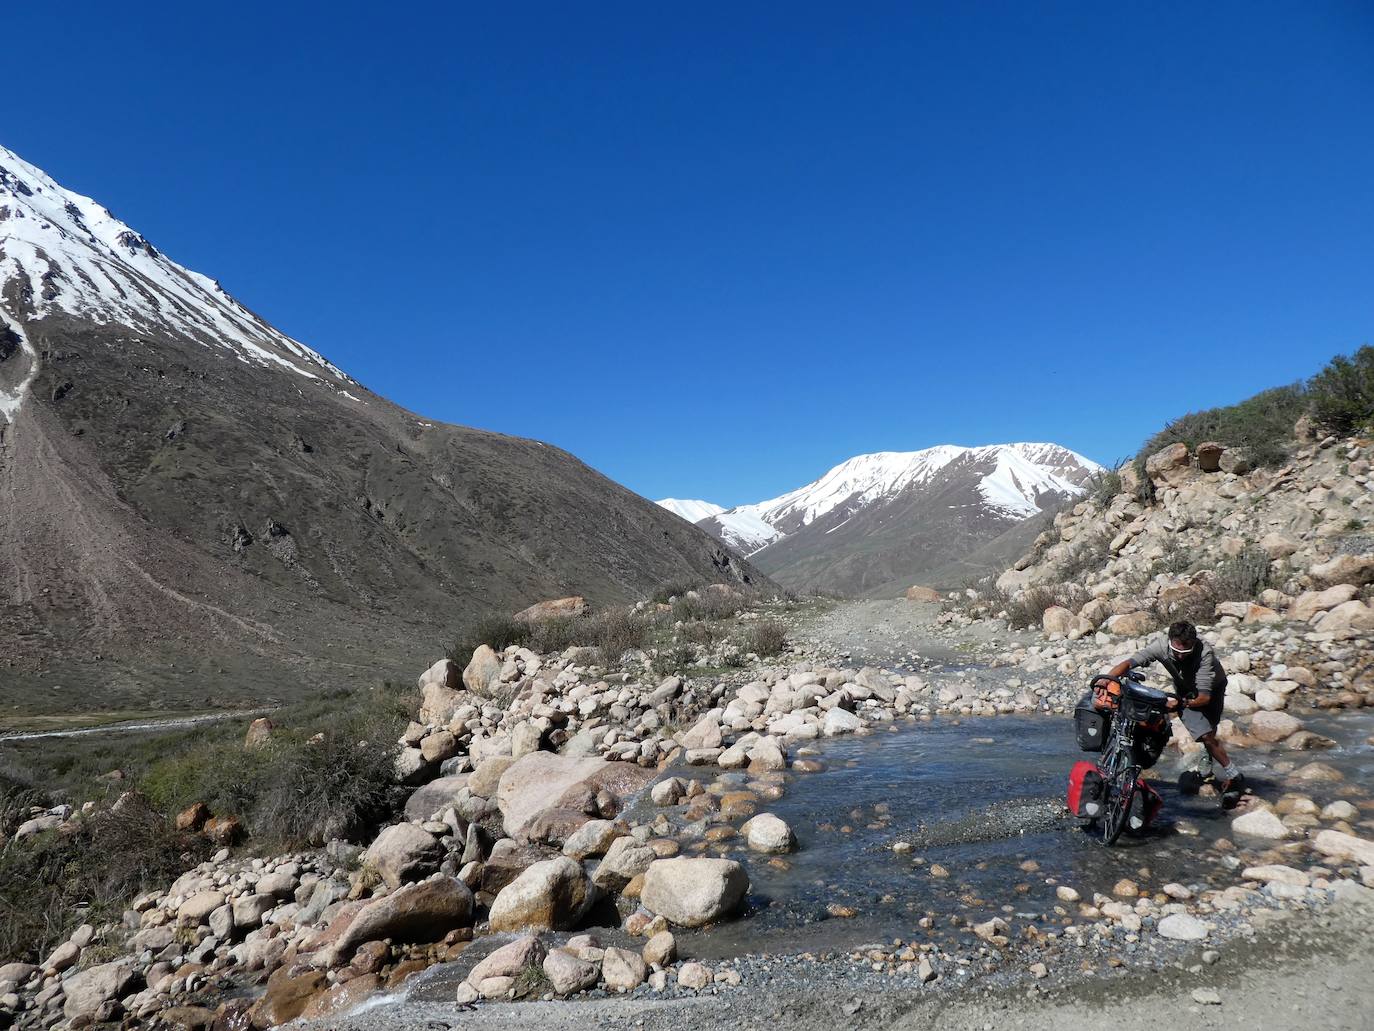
x=1085 y=790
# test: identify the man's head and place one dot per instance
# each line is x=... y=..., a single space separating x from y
x=1182 y=640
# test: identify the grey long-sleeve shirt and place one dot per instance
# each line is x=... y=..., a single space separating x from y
x=1201 y=673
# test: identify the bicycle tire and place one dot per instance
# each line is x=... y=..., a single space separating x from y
x=1119 y=796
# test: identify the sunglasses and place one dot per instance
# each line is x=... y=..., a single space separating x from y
x=1180 y=652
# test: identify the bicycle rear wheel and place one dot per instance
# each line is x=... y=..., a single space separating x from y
x=1120 y=792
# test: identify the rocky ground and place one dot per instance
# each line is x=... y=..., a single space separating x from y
x=553 y=793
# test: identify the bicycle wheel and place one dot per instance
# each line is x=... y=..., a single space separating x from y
x=1120 y=792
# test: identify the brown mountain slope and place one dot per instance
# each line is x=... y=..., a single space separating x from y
x=165 y=508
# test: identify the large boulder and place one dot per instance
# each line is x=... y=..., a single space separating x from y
x=922 y=594
x=197 y=909
x=1166 y=464
x=404 y=852
x=766 y=833
x=483 y=672
x=1345 y=569
x=1351 y=617
x=550 y=896
x=422 y=912
x=625 y=860
x=623 y=970
x=568 y=973
x=557 y=608
x=1057 y=620
x=693 y=892
x=89 y=989
x=538 y=781
x=593 y=838
x=1271 y=727
x=1311 y=603
x=1131 y=624
x=1347 y=847
x=487 y=776
x=509 y=960
x=435 y=797
x=1260 y=823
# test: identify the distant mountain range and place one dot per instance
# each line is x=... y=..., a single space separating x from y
x=196 y=509
x=876 y=523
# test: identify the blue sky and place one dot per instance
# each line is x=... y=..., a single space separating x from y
x=713 y=249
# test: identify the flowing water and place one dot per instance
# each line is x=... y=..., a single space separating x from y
x=983 y=800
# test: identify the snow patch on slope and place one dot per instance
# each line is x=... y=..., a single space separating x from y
x=12 y=401
x=693 y=510
x=60 y=251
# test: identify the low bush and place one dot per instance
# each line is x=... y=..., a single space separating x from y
x=707 y=604
x=53 y=881
x=1086 y=555
x=1242 y=577
x=676 y=660
x=617 y=631
x=312 y=780
x=666 y=592
x=1026 y=609
x=1262 y=425
x=1341 y=396
x=1103 y=486
x=701 y=633
x=765 y=638
x=495 y=631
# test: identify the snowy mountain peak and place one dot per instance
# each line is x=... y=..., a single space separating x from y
x=62 y=252
x=1010 y=481
x=694 y=511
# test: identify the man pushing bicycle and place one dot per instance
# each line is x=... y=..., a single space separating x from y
x=1200 y=683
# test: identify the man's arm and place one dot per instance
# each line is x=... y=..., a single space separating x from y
x=1152 y=652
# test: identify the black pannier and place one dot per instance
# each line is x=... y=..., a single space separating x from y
x=1149 y=743
x=1090 y=726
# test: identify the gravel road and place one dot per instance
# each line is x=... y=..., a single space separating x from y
x=1312 y=970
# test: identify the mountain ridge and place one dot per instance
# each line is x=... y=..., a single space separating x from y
x=824 y=534
x=184 y=487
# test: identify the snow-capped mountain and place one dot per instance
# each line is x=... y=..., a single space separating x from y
x=1021 y=477
x=185 y=488
x=61 y=251
x=891 y=494
x=690 y=509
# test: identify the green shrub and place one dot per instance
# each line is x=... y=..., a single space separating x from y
x=330 y=776
x=1103 y=486
x=712 y=602
x=765 y=638
x=1262 y=425
x=617 y=631
x=495 y=631
x=705 y=634
x=665 y=593
x=1341 y=396
x=1027 y=608
x=1242 y=577
x=676 y=661
x=1086 y=555
x=51 y=882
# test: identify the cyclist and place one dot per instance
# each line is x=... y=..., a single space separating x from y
x=1200 y=683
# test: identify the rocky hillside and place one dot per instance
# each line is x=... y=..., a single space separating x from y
x=195 y=508
x=876 y=523
x=1201 y=535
